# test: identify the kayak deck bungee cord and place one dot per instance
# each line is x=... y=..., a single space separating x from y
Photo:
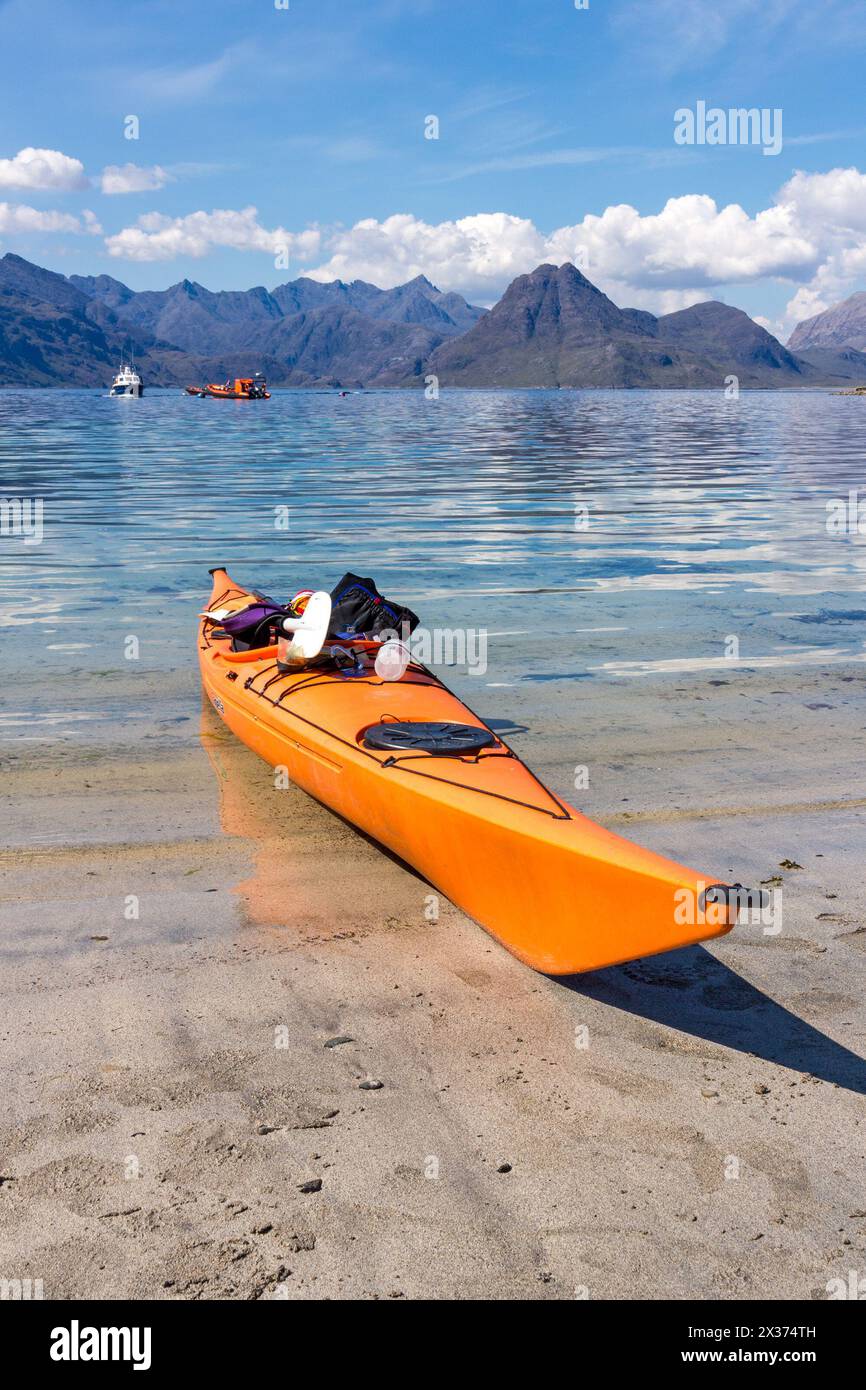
x=412 y=766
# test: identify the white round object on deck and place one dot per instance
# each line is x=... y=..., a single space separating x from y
x=392 y=659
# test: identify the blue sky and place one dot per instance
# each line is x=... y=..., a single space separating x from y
x=548 y=116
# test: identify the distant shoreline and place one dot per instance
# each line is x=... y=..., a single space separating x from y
x=813 y=389
x=553 y=329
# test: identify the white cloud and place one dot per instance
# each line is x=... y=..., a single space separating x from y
x=35 y=169
x=835 y=199
x=480 y=254
x=663 y=260
x=132 y=178
x=190 y=83
x=17 y=217
x=812 y=236
x=833 y=207
x=155 y=237
x=545 y=159
x=759 y=35
x=689 y=33
x=689 y=244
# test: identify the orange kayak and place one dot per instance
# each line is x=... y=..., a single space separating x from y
x=560 y=892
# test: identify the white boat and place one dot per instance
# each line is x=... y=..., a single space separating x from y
x=127 y=383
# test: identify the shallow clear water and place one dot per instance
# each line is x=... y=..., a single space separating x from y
x=596 y=535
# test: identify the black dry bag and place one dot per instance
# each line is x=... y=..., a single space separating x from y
x=359 y=610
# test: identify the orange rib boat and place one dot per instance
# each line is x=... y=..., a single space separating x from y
x=243 y=388
x=560 y=892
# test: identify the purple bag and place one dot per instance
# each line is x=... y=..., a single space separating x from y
x=236 y=624
x=250 y=625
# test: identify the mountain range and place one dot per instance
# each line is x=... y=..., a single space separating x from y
x=555 y=328
x=842 y=326
x=552 y=328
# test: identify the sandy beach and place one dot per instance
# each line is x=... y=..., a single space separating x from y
x=241 y=1061
x=459 y=409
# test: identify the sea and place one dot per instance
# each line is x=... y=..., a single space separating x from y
x=605 y=550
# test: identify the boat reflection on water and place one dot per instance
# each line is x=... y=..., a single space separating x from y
x=313 y=875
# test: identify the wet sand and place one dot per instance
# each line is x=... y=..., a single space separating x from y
x=174 y=1080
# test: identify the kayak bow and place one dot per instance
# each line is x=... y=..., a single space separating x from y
x=560 y=892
